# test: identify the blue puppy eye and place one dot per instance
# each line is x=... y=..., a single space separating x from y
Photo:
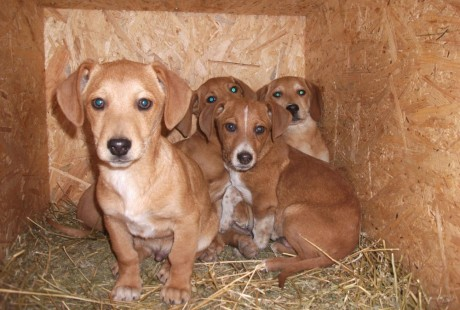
x=234 y=89
x=230 y=127
x=211 y=99
x=98 y=103
x=277 y=94
x=301 y=92
x=259 y=130
x=144 y=104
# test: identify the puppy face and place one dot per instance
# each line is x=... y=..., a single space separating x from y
x=243 y=127
x=218 y=89
x=124 y=105
x=300 y=97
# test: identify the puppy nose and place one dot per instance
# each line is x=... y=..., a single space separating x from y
x=244 y=158
x=119 y=147
x=293 y=108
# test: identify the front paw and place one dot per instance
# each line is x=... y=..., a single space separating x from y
x=175 y=296
x=126 y=293
x=247 y=247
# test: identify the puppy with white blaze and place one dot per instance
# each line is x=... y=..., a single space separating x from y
x=294 y=196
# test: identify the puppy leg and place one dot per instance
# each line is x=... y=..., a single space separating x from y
x=213 y=250
x=128 y=285
x=281 y=246
x=244 y=243
x=231 y=198
x=263 y=228
x=177 y=288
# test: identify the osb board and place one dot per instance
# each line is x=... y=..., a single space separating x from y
x=391 y=72
x=244 y=7
x=196 y=46
x=24 y=186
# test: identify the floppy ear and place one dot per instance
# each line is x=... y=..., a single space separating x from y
x=177 y=99
x=247 y=91
x=281 y=118
x=194 y=103
x=207 y=117
x=262 y=93
x=68 y=93
x=316 y=101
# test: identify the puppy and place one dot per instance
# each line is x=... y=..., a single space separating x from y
x=293 y=195
x=148 y=191
x=207 y=152
x=303 y=100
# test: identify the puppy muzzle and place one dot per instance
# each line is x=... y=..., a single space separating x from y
x=293 y=108
x=119 y=149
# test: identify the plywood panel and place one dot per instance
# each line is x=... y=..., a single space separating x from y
x=24 y=189
x=390 y=71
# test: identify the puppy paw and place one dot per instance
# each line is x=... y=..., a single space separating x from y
x=175 y=296
x=163 y=274
x=125 y=293
x=247 y=247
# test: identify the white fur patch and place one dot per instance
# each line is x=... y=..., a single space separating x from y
x=243 y=147
x=240 y=186
x=231 y=198
x=138 y=223
x=263 y=229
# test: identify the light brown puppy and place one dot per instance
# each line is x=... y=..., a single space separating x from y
x=303 y=100
x=150 y=192
x=208 y=152
x=293 y=195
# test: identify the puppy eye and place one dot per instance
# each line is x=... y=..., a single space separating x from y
x=277 y=94
x=144 y=104
x=230 y=127
x=211 y=99
x=301 y=92
x=234 y=89
x=98 y=103
x=259 y=130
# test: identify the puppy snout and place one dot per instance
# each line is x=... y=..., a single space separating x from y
x=119 y=147
x=244 y=157
x=293 y=108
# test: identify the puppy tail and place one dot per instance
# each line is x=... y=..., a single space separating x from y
x=69 y=231
x=288 y=266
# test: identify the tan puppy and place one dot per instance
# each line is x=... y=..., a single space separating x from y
x=303 y=100
x=208 y=152
x=293 y=195
x=150 y=193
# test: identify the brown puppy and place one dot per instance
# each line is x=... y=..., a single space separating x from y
x=149 y=191
x=207 y=152
x=303 y=100
x=293 y=195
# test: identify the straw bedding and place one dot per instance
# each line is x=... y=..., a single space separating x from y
x=45 y=269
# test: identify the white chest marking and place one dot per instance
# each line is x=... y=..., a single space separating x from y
x=238 y=183
x=139 y=223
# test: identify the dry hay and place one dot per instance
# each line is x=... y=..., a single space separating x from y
x=47 y=269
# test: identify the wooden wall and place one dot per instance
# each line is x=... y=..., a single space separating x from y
x=389 y=71
x=24 y=181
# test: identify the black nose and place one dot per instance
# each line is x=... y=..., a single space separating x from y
x=293 y=108
x=244 y=158
x=119 y=147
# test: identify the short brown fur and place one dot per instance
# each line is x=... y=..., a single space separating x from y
x=153 y=197
x=303 y=133
x=293 y=195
